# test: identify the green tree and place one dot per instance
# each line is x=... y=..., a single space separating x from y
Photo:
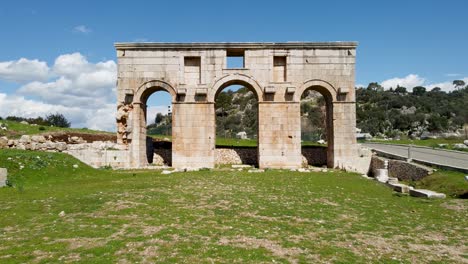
x=58 y=120
x=458 y=84
x=419 y=90
x=400 y=90
x=159 y=118
x=374 y=86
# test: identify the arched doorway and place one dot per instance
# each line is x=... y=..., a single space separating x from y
x=236 y=123
x=145 y=111
x=317 y=137
x=159 y=128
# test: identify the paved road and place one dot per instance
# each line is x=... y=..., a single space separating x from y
x=447 y=158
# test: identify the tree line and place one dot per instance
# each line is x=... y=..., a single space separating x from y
x=397 y=111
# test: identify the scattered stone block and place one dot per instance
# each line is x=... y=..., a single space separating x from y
x=426 y=193
x=460 y=146
x=256 y=170
x=166 y=172
x=392 y=180
x=401 y=188
x=3 y=142
x=237 y=166
x=303 y=170
x=25 y=139
x=3 y=177
x=38 y=139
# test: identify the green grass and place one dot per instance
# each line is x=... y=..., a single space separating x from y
x=433 y=143
x=16 y=129
x=234 y=142
x=451 y=183
x=219 y=216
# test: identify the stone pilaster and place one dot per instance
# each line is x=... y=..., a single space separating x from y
x=193 y=135
x=279 y=135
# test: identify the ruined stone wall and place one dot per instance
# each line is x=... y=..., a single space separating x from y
x=400 y=169
x=278 y=74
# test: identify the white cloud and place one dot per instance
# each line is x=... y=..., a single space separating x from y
x=452 y=74
x=79 y=83
x=101 y=118
x=83 y=91
x=445 y=86
x=82 y=29
x=409 y=82
x=413 y=80
x=23 y=70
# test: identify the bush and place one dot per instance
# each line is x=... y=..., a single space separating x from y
x=57 y=120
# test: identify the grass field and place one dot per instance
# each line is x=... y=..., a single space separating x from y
x=55 y=213
x=16 y=129
x=234 y=142
x=451 y=183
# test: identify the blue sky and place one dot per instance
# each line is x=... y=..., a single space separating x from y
x=401 y=42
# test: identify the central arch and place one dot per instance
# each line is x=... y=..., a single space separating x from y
x=233 y=79
x=245 y=153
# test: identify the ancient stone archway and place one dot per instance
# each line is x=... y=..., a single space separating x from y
x=242 y=80
x=193 y=73
x=135 y=132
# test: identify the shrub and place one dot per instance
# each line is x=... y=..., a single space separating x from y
x=57 y=120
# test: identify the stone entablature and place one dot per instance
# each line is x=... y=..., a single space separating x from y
x=278 y=73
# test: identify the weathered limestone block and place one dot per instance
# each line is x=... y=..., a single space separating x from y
x=25 y=139
x=3 y=177
x=399 y=187
x=38 y=139
x=426 y=193
x=3 y=142
x=60 y=146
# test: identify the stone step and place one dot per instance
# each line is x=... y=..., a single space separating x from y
x=426 y=193
x=392 y=180
x=398 y=187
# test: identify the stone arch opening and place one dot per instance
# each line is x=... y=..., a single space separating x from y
x=159 y=128
x=152 y=148
x=236 y=123
x=320 y=125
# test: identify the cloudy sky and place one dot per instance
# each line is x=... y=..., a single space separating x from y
x=58 y=56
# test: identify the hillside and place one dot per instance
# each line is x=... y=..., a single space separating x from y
x=14 y=130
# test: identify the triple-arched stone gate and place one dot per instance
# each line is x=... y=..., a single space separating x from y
x=277 y=73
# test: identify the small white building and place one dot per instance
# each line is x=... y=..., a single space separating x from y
x=242 y=135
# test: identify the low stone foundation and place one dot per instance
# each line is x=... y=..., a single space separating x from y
x=162 y=157
x=400 y=169
x=102 y=157
x=316 y=156
x=247 y=156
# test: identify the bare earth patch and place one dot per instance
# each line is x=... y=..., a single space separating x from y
x=276 y=249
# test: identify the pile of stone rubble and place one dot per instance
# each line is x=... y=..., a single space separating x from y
x=39 y=142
